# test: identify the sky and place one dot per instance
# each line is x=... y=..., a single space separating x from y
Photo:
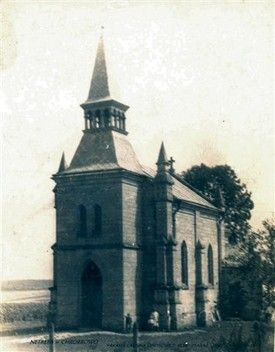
x=197 y=75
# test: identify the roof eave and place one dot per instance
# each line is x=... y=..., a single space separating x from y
x=198 y=205
x=72 y=173
x=108 y=103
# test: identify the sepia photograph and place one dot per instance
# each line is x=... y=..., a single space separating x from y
x=138 y=174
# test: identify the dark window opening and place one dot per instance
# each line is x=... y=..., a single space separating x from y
x=198 y=264
x=184 y=264
x=97 y=220
x=82 y=221
x=210 y=266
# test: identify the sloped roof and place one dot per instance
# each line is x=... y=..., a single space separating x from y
x=104 y=150
x=182 y=191
x=110 y=150
x=99 y=89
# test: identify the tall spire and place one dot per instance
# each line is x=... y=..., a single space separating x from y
x=99 y=89
x=101 y=110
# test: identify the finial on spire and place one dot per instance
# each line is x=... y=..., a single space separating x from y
x=101 y=32
x=63 y=165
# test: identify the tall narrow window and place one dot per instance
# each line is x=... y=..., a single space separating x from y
x=210 y=266
x=198 y=264
x=97 y=220
x=82 y=221
x=184 y=264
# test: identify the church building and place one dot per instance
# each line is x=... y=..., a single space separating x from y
x=130 y=239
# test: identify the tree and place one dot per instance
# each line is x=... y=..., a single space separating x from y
x=261 y=259
x=256 y=258
x=221 y=185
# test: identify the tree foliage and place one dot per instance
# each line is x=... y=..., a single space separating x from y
x=261 y=259
x=222 y=186
x=257 y=261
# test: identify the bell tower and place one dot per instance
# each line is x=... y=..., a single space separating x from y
x=98 y=224
x=101 y=111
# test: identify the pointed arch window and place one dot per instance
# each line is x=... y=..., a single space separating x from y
x=97 y=230
x=210 y=265
x=82 y=212
x=184 y=264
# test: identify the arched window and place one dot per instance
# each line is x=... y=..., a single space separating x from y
x=97 y=220
x=82 y=221
x=198 y=264
x=210 y=265
x=184 y=264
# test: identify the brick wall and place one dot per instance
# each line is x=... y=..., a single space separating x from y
x=70 y=266
x=185 y=231
x=191 y=227
x=129 y=274
x=131 y=213
x=107 y=195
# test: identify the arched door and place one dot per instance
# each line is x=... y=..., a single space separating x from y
x=91 y=296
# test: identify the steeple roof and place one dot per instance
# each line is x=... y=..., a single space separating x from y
x=104 y=151
x=63 y=165
x=99 y=89
x=104 y=92
x=162 y=159
x=163 y=175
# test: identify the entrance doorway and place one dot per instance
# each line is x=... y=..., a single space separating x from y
x=91 y=296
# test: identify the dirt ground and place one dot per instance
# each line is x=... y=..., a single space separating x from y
x=223 y=337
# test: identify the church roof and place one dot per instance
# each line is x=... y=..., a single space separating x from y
x=112 y=151
x=162 y=158
x=99 y=89
x=102 y=151
x=183 y=191
x=106 y=149
x=63 y=164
